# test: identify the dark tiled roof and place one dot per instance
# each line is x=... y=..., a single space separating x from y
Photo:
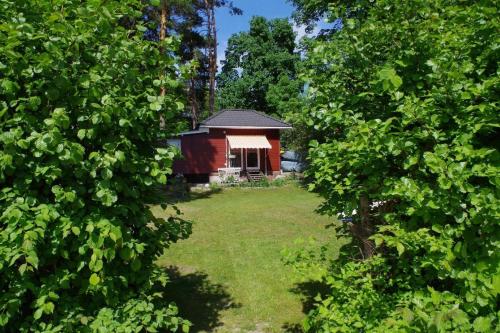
x=243 y=118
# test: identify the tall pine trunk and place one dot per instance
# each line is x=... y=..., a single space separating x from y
x=213 y=70
x=193 y=102
x=163 y=35
x=212 y=52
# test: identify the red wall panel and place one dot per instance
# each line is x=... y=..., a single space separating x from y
x=206 y=152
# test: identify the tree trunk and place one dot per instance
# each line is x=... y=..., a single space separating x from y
x=364 y=229
x=163 y=35
x=212 y=52
x=194 y=102
x=213 y=70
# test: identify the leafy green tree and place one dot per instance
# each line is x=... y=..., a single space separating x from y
x=309 y=12
x=79 y=105
x=404 y=101
x=260 y=68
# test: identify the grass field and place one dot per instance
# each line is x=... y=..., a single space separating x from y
x=228 y=276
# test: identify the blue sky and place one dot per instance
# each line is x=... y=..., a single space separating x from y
x=228 y=24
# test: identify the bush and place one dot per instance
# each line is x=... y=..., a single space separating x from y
x=78 y=107
x=405 y=107
x=214 y=187
x=279 y=182
x=264 y=182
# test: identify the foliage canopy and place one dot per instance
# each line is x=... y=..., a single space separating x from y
x=260 y=68
x=404 y=102
x=79 y=97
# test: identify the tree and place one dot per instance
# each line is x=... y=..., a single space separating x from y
x=182 y=19
x=212 y=51
x=308 y=13
x=260 y=68
x=404 y=103
x=210 y=6
x=79 y=104
x=188 y=24
x=163 y=34
x=193 y=22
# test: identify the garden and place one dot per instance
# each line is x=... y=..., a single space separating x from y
x=394 y=107
x=230 y=275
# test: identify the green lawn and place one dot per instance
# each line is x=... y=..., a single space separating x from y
x=228 y=276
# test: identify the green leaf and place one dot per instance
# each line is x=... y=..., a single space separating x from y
x=94 y=279
x=482 y=324
x=75 y=230
x=389 y=78
x=81 y=134
x=155 y=106
x=96 y=266
x=48 y=307
x=53 y=295
x=126 y=253
x=38 y=314
x=432 y=64
x=22 y=268
x=400 y=247
x=120 y=155
x=136 y=264
x=123 y=122
x=106 y=13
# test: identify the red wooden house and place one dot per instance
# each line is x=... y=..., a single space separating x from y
x=238 y=143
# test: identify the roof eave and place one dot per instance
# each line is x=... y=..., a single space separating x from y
x=247 y=127
x=193 y=132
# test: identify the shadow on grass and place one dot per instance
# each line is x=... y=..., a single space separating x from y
x=199 y=300
x=307 y=292
x=170 y=196
x=292 y=328
x=192 y=195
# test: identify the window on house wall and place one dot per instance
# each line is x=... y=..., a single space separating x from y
x=175 y=143
x=235 y=158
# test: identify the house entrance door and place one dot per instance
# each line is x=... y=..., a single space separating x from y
x=252 y=159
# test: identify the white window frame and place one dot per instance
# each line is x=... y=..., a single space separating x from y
x=241 y=158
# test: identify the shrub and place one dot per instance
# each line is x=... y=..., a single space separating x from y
x=264 y=182
x=78 y=107
x=404 y=101
x=215 y=187
x=278 y=182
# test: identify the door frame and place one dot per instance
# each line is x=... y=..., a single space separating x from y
x=258 y=159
